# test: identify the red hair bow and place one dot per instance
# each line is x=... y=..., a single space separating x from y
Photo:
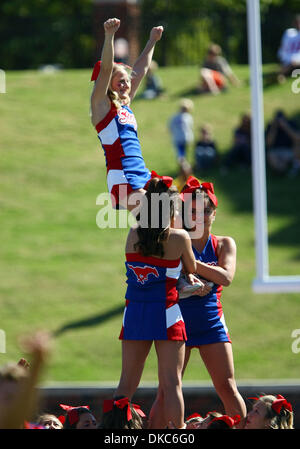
x=72 y=412
x=96 y=71
x=109 y=404
x=167 y=180
x=193 y=184
x=97 y=67
x=254 y=398
x=193 y=415
x=279 y=403
x=228 y=420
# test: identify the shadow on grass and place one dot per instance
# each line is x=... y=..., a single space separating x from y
x=91 y=321
x=270 y=79
x=283 y=200
x=194 y=92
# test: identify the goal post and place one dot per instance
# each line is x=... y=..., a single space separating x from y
x=263 y=283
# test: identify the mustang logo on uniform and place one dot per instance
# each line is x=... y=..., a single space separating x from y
x=142 y=273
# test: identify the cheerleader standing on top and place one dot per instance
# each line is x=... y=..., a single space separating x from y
x=113 y=119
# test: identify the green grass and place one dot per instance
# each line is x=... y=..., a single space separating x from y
x=60 y=272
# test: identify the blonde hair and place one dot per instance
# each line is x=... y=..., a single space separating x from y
x=282 y=420
x=112 y=95
x=194 y=419
x=206 y=127
x=186 y=104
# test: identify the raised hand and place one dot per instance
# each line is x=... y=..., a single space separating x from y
x=23 y=362
x=111 y=26
x=156 y=33
x=38 y=345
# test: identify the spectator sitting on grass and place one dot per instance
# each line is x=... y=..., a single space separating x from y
x=206 y=153
x=153 y=82
x=283 y=145
x=215 y=72
x=240 y=153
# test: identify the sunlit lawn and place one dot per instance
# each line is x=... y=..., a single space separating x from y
x=60 y=272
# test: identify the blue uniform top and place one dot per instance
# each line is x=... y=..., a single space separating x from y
x=152 y=311
x=203 y=315
x=151 y=278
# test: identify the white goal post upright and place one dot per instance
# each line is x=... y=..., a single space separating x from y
x=263 y=283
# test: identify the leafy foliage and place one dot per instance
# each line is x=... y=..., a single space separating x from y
x=39 y=32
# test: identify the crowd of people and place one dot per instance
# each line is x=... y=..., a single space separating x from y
x=282 y=143
x=176 y=271
x=20 y=405
x=282 y=134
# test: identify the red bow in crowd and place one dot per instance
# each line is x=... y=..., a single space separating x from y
x=193 y=415
x=230 y=421
x=167 y=180
x=109 y=404
x=279 y=402
x=193 y=184
x=97 y=67
x=71 y=412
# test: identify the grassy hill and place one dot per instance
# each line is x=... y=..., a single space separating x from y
x=60 y=272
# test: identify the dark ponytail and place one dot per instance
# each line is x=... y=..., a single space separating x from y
x=154 y=218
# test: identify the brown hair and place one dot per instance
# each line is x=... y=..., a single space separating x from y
x=117 y=419
x=151 y=238
x=184 y=210
x=80 y=411
x=215 y=49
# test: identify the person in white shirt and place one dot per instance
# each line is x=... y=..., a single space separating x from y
x=181 y=128
x=289 y=50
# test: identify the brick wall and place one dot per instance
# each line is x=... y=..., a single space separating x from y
x=129 y=14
